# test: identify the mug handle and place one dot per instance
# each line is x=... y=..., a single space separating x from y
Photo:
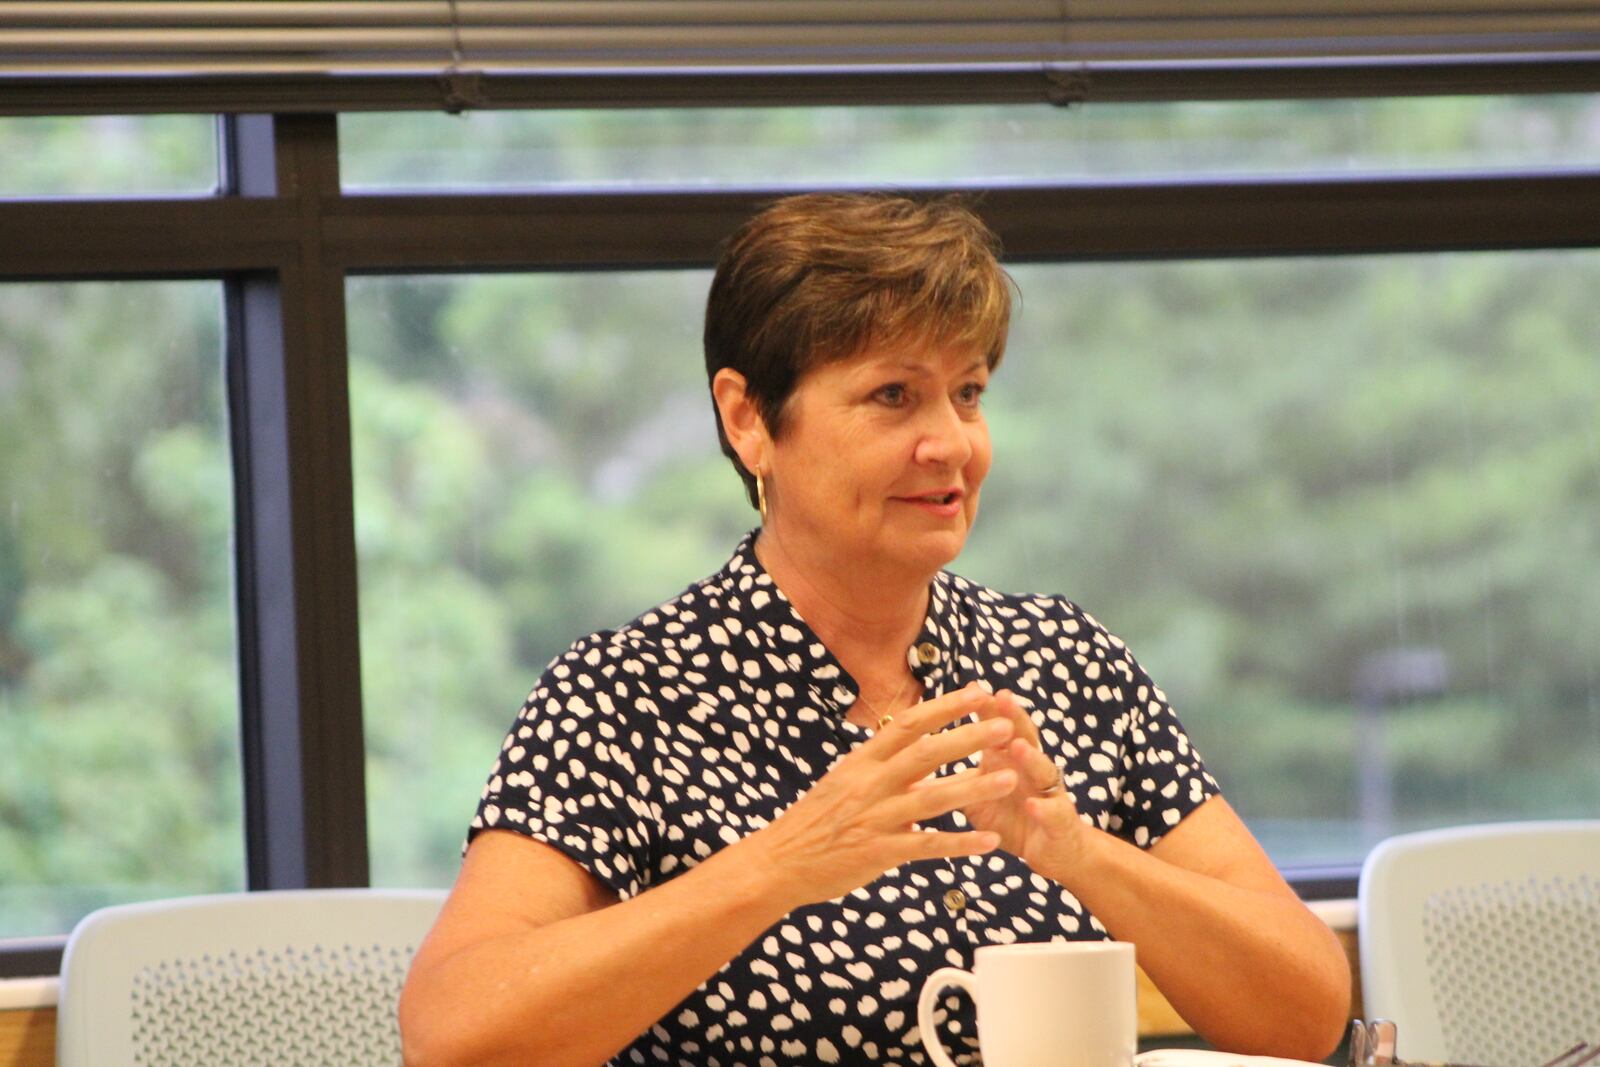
x=937 y=983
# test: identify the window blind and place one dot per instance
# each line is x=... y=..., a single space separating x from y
x=340 y=44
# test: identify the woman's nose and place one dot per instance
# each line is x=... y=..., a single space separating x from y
x=944 y=439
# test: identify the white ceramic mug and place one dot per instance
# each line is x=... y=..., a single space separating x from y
x=1054 y=1004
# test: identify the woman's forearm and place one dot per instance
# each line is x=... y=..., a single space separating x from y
x=1252 y=970
x=576 y=991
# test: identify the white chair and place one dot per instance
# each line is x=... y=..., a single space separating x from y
x=301 y=978
x=1482 y=943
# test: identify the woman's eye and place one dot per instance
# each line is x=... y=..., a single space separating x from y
x=893 y=394
x=970 y=394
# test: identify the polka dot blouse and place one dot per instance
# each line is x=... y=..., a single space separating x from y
x=644 y=750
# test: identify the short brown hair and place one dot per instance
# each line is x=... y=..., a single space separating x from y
x=824 y=276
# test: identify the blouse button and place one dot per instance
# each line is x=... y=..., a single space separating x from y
x=955 y=899
x=927 y=652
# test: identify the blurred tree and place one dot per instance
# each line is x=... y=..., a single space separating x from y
x=1260 y=473
x=108 y=155
x=118 y=685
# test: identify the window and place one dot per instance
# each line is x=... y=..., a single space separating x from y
x=900 y=146
x=119 y=709
x=1299 y=402
x=534 y=460
x=1338 y=508
x=108 y=155
x=1334 y=505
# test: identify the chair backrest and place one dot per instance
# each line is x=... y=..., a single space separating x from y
x=291 y=978
x=1482 y=943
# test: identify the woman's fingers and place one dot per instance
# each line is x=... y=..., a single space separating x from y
x=1007 y=704
x=1038 y=770
x=936 y=844
x=860 y=819
x=933 y=798
x=1001 y=756
x=928 y=753
x=928 y=717
x=917 y=742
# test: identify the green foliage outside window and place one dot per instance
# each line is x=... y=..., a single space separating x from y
x=1264 y=474
x=119 y=722
x=977 y=144
x=108 y=155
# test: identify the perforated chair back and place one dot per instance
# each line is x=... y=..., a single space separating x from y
x=277 y=979
x=1482 y=943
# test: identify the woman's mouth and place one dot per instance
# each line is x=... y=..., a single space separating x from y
x=945 y=502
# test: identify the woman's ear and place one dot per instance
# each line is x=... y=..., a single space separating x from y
x=741 y=419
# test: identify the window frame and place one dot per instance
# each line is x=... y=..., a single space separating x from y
x=284 y=283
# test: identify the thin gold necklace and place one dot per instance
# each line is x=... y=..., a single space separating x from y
x=885 y=720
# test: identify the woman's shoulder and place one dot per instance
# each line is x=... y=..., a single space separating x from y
x=1048 y=613
x=657 y=650
x=705 y=611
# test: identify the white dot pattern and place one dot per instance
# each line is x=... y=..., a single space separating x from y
x=1515 y=967
x=644 y=750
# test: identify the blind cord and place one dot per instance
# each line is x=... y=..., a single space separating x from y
x=1065 y=85
x=459 y=89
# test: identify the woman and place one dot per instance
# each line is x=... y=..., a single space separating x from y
x=744 y=827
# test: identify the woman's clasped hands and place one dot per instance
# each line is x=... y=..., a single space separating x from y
x=860 y=819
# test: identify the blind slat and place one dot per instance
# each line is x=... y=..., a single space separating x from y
x=806 y=44
x=643 y=13
x=100 y=13
x=1153 y=18
x=265 y=38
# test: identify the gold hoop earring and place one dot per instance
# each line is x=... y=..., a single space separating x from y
x=761 y=495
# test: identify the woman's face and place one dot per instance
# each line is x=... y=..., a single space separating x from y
x=882 y=457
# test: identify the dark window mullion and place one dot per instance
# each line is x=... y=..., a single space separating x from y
x=1324 y=883
x=1283 y=79
x=1171 y=220
x=31 y=957
x=305 y=803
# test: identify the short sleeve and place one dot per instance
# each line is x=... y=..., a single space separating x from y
x=1163 y=776
x=571 y=771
